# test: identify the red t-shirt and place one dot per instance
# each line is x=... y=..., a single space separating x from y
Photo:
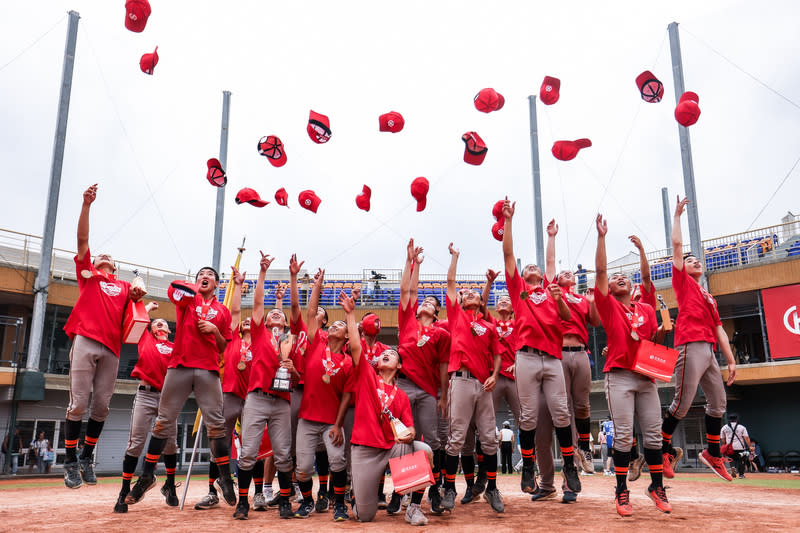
x=648 y=298
x=300 y=332
x=321 y=400
x=473 y=342
x=617 y=319
x=373 y=353
x=697 y=310
x=370 y=429
x=98 y=313
x=234 y=380
x=153 y=357
x=194 y=349
x=507 y=340
x=536 y=316
x=579 y=314
x=421 y=363
x=265 y=359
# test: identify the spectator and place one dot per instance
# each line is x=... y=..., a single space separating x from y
x=506 y=448
x=305 y=282
x=13 y=451
x=40 y=447
x=582 y=278
x=736 y=434
x=607 y=441
x=756 y=457
x=49 y=459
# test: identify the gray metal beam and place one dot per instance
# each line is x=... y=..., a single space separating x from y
x=537 y=185
x=223 y=159
x=667 y=217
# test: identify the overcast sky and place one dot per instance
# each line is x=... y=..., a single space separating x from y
x=146 y=139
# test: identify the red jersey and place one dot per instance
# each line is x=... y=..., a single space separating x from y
x=300 y=332
x=194 y=349
x=370 y=428
x=234 y=380
x=265 y=359
x=579 y=314
x=536 y=316
x=153 y=357
x=617 y=321
x=697 y=310
x=421 y=363
x=507 y=340
x=98 y=313
x=648 y=298
x=321 y=400
x=473 y=342
x=373 y=353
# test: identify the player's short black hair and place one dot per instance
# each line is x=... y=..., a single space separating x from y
x=212 y=269
x=688 y=255
x=324 y=312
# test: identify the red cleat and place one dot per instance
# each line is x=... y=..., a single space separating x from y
x=717 y=464
x=623 y=501
x=669 y=472
x=659 y=497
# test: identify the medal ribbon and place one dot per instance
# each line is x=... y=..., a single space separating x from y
x=504 y=325
x=243 y=351
x=422 y=331
x=330 y=366
x=204 y=308
x=386 y=400
x=634 y=323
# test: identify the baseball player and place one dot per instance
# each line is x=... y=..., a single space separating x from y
x=264 y=405
x=328 y=373
x=95 y=328
x=697 y=330
x=474 y=366
x=151 y=367
x=203 y=330
x=539 y=314
x=628 y=393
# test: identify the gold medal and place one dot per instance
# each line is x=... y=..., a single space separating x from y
x=86 y=274
x=326 y=378
x=241 y=366
x=634 y=335
x=420 y=343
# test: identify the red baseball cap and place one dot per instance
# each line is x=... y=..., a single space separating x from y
x=282 y=197
x=488 y=100
x=180 y=289
x=419 y=190
x=650 y=87
x=391 y=121
x=309 y=200
x=362 y=200
x=215 y=175
x=549 y=92
x=272 y=148
x=497 y=210
x=475 y=149
x=251 y=197
x=498 y=228
x=136 y=14
x=371 y=324
x=687 y=111
x=319 y=128
x=148 y=62
x=567 y=150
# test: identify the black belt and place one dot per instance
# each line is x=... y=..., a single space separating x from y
x=580 y=348
x=464 y=374
x=531 y=349
x=268 y=394
x=148 y=388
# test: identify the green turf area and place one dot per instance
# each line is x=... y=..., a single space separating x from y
x=58 y=482
x=750 y=482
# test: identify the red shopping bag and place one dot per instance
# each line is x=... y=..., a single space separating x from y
x=411 y=472
x=134 y=322
x=655 y=361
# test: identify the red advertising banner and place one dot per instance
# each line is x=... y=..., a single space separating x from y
x=782 y=315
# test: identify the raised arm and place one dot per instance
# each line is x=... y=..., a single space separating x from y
x=258 y=295
x=349 y=307
x=237 y=278
x=677 y=237
x=89 y=196
x=280 y=293
x=409 y=283
x=550 y=255
x=508 y=240
x=313 y=306
x=452 y=294
x=491 y=275
x=600 y=262
x=594 y=315
x=644 y=264
x=294 y=269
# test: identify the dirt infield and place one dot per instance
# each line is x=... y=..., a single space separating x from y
x=700 y=501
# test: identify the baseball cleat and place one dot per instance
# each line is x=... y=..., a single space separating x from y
x=717 y=464
x=170 y=496
x=72 y=477
x=340 y=512
x=87 y=471
x=305 y=510
x=436 y=500
x=587 y=464
x=323 y=503
x=394 y=504
x=635 y=468
x=121 y=506
x=414 y=515
x=225 y=484
x=623 y=501
x=468 y=496
x=542 y=494
x=143 y=484
x=480 y=484
x=569 y=497
x=260 y=502
x=659 y=497
x=242 y=508
x=449 y=500
x=209 y=501
x=528 y=481
x=493 y=497
x=382 y=501
x=285 y=507
x=571 y=477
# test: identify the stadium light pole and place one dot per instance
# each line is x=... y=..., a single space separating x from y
x=537 y=185
x=695 y=243
x=42 y=283
x=223 y=159
x=667 y=217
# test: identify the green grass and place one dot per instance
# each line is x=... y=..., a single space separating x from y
x=58 y=482
x=750 y=482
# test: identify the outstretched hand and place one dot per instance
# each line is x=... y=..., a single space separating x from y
x=637 y=242
x=346 y=302
x=508 y=208
x=294 y=266
x=681 y=206
x=319 y=277
x=602 y=226
x=552 y=228
x=238 y=277
x=491 y=275
x=90 y=194
x=453 y=251
x=265 y=262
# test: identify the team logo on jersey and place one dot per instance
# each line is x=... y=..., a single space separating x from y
x=248 y=356
x=707 y=295
x=640 y=321
x=504 y=333
x=163 y=349
x=571 y=298
x=478 y=329
x=210 y=315
x=110 y=289
x=538 y=297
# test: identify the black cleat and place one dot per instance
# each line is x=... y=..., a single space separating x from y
x=305 y=510
x=541 y=495
x=480 y=484
x=87 y=471
x=449 y=500
x=242 y=508
x=225 y=483
x=285 y=508
x=171 y=497
x=72 y=476
x=143 y=484
x=571 y=477
x=468 y=496
x=436 y=499
x=394 y=504
x=121 y=506
x=340 y=512
x=382 y=501
x=528 y=481
x=323 y=503
x=493 y=497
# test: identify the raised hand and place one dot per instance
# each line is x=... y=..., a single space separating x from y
x=319 y=277
x=602 y=225
x=453 y=251
x=237 y=277
x=508 y=208
x=636 y=242
x=491 y=275
x=552 y=228
x=410 y=250
x=355 y=294
x=294 y=266
x=681 y=206
x=346 y=302
x=265 y=262
x=555 y=291
x=418 y=257
x=90 y=194
x=280 y=291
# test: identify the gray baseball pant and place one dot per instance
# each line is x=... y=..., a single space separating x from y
x=467 y=398
x=310 y=436
x=537 y=373
x=145 y=411
x=630 y=394
x=697 y=365
x=178 y=385
x=424 y=412
x=92 y=367
x=261 y=408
